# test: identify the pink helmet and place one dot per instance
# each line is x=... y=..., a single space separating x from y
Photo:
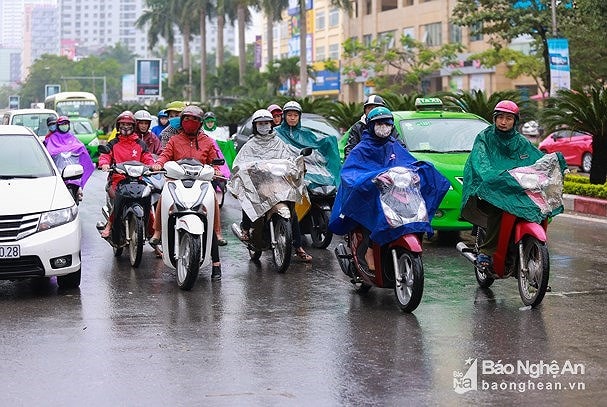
x=506 y=106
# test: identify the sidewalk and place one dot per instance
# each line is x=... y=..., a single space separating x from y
x=584 y=205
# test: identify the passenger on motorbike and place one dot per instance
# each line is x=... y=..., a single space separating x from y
x=487 y=189
x=264 y=145
x=358 y=203
x=59 y=141
x=51 y=124
x=276 y=112
x=127 y=146
x=173 y=110
x=163 y=122
x=190 y=142
x=144 y=121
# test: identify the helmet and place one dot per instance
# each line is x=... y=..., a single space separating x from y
x=143 y=115
x=506 y=106
x=193 y=111
x=63 y=120
x=262 y=115
x=176 y=106
x=209 y=115
x=374 y=100
x=162 y=113
x=272 y=108
x=292 y=106
x=126 y=117
x=51 y=120
x=379 y=113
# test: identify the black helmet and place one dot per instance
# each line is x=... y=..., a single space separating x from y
x=374 y=100
x=51 y=120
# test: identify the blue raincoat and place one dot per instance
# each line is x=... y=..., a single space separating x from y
x=358 y=198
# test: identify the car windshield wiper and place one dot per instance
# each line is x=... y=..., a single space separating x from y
x=17 y=176
x=456 y=151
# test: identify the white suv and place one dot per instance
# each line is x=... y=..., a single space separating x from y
x=39 y=223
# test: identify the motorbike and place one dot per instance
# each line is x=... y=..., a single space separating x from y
x=398 y=263
x=278 y=183
x=156 y=182
x=522 y=250
x=314 y=214
x=132 y=216
x=187 y=213
x=62 y=160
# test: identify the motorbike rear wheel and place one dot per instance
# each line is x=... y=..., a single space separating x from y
x=135 y=239
x=283 y=248
x=532 y=285
x=409 y=275
x=482 y=278
x=320 y=233
x=188 y=260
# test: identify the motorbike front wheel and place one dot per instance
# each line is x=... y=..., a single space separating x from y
x=188 y=260
x=320 y=233
x=533 y=284
x=283 y=247
x=135 y=239
x=409 y=275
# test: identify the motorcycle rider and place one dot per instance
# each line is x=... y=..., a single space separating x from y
x=62 y=141
x=276 y=112
x=190 y=142
x=354 y=133
x=51 y=124
x=358 y=200
x=144 y=120
x=264 y=145
x=126 y=146
x=173 y=110
x=163 y=122
x=498 y=148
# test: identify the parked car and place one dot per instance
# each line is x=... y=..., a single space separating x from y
x=34 y=119
x=445 y=139
x=530 y=129
x=575 y=146
x=314 y=122
x=83 y=129
x=39 y=223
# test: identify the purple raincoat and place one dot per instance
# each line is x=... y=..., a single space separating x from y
x=66 y=149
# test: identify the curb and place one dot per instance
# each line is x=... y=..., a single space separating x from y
x=588 y=206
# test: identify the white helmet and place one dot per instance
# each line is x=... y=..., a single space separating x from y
x=293 y=106
x=262 y=115
x=143 y=115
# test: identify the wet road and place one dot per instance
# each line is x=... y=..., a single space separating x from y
x=131 y=337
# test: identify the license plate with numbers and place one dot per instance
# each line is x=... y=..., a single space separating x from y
x=10 y=251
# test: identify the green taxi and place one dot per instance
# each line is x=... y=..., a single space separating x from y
x=443 y=138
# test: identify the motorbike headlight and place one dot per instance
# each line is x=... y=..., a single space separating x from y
x=134 y=171
x=49 y=220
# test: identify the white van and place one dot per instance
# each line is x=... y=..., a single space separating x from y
x=33 y=119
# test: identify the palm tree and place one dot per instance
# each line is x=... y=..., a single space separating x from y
x=584 y=111
x=272 y=9
x=479 y=102
x=205 y=9
x=158 y=22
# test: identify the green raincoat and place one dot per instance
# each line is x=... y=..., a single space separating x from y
x=487 y=176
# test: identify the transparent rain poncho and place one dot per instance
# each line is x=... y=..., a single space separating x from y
x=400 y=197
x=542 y=182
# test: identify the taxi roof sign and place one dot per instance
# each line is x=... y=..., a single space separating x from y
x=428 y=104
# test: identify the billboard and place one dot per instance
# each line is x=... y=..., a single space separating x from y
x=560 y=70
x=147 y=77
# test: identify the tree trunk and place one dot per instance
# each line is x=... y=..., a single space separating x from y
x=170 y=63
x=598 y=170
x=186 y=47
x=242 y=53
x=270 y=39
x=203 y=56
x=219 y=57
x=303 y=55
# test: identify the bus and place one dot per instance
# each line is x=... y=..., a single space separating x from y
x=83 y=104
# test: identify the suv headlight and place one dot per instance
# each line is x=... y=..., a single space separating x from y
x=58 y=217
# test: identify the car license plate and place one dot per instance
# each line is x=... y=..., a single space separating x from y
x=10 y=252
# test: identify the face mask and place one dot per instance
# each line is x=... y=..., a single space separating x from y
x=175 y=122
x=264 y=128
x=383 y=130
x=63 y=128
x=190 y=126
x=126 y=129
x=52 y=128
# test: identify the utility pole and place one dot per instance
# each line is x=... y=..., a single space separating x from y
x=554 y=29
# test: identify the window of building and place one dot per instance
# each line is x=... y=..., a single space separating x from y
x=333 y=17
x=367 y=38
x=368 y=7
x=386 y=5
x=387 y=35
x=409 y=32
x=334 y=51
x=320 y=53
x=320 y=20
x=433 y=34
x=455 y=34
x=407 y=3
x=475 y=31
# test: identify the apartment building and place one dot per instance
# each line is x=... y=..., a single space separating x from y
x=423 y=20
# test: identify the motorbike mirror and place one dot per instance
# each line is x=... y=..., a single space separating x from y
x=306 y=151
x=103 y=149
x=218 y=161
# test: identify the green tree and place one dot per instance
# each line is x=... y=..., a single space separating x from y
x=478 y=102
x=400 y=70
x=272 y=10
x=586 y=111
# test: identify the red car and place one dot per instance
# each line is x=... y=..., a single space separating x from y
x=575 y=146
